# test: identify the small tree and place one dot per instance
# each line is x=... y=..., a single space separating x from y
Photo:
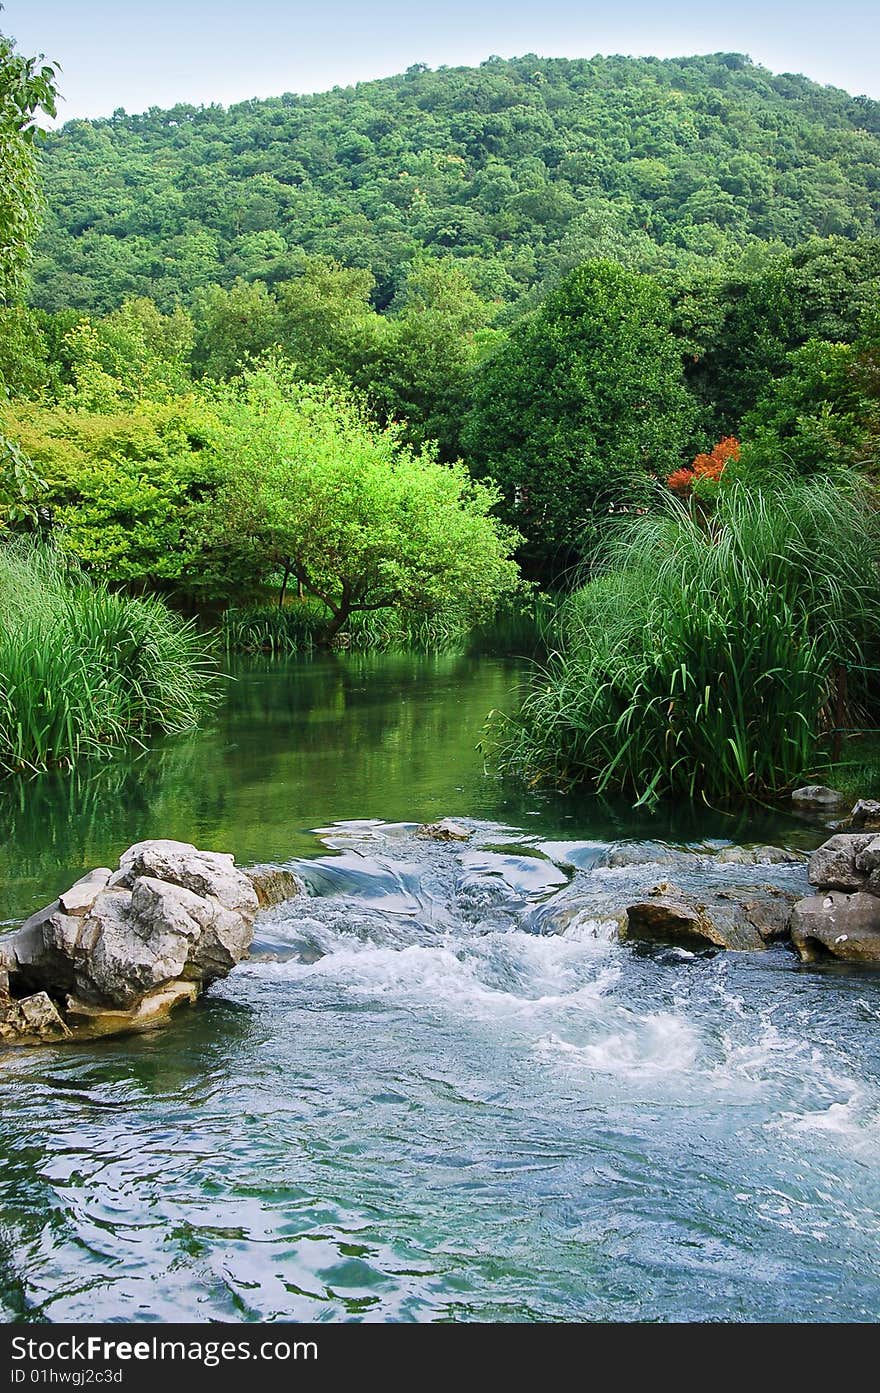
x=315 y=491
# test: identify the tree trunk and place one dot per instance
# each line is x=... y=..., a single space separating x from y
x=340 y=616
x=283 y=590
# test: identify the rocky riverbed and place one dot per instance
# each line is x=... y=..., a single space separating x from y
x=122 y=949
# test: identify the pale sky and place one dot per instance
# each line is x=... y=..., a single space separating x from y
x=157 y=52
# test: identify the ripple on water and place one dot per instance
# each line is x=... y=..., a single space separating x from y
x=413 y=1108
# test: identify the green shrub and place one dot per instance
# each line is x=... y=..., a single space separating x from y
x=701 y=661
x=84 y=671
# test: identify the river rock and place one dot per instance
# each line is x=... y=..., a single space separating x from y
x=81 y=896
x=818 y=796
x=212 y=873
x=844 y=926
x=31 y=1020
x=274 y=884
x=866 y=815
x=88 y=1022
x=759 y=856
x=719 y=920
x=624 y=854
x=721 y=907
x=446 y=830
x=127 y=946
x=837 y=864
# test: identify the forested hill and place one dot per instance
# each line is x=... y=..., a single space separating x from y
x=521 y=168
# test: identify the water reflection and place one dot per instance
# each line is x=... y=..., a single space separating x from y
x=298 y=745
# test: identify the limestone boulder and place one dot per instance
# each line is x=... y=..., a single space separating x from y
x=707 y=906
x=31 y=1020
x=131 y=943
x=866 y=814
x=839 y=925
x=818 y=798
x=81 y=896
x=446 y=830
x=742 y=924
x=207 y=873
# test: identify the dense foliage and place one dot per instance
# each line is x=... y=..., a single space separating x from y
x=519 y=169
x=27 y=87
x=701 y=661
x=584 y=402
x=315 y=367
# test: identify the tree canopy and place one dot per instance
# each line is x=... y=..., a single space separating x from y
x=313 y=489
x=27 y=87
x=583 y=401
x=519 y=169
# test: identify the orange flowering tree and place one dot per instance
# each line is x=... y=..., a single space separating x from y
x=701 y=478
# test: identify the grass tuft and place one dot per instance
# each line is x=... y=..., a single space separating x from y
x=84 y=671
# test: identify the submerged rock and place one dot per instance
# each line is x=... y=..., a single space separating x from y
x=447 y=830
x=759 y=856
x=624 y=854
x=119 y=950
x=91 y=1022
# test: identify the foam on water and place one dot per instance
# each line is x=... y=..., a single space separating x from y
x=443 y=1088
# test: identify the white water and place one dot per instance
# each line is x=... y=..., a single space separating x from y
x=412 y=1105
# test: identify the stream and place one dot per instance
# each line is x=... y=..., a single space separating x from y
x=416 y=1102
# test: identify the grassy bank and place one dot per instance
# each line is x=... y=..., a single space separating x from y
x=300 y=626
x=701 y=660
x=84 y=671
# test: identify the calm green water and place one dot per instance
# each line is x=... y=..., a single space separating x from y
x=415 y=1106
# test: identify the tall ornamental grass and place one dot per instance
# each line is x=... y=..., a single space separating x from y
x=84 y=671
x=701 y=661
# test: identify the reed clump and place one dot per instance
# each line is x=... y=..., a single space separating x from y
x=701 y=659
x=85 y=671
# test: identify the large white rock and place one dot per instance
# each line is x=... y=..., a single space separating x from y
x=170 y=912
x=212 y=873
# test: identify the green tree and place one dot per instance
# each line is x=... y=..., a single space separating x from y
x=525 y=167
x=314 y=491
x=821 y=290
x=812 y=420
x=327 y=322
x=580 y=405
x=234 y=325
x=420 y=370
x=120 y=485
x=27 y=87
x=134 y=353
x=24 y=352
